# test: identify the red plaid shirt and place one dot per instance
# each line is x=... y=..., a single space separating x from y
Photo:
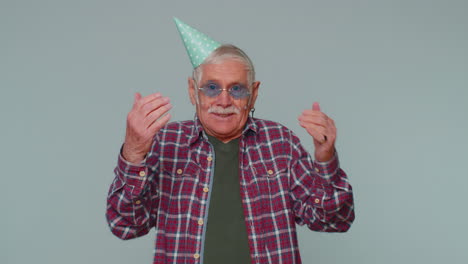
x=280 y=186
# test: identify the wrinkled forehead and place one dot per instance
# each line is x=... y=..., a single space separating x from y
x=228 y=70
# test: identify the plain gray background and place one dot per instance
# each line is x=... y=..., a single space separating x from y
x=393 y=75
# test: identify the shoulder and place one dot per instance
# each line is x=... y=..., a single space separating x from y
x=171 y=144
x=272 y=129
x=274 y=134
x=178 y=126
x=275 y=141
x=178 y=131
x=274 y=137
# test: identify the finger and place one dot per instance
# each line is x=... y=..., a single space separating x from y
x=317 y=136
x=156 y=114
x=314 y=119
x=310 y=112
x=317 y=132
x=331 y=123
x=158 y=124
x=149 y=98
x=332 y=129
x=137 y=97
x=154 y=105
x=320 y=129
x=316 y=106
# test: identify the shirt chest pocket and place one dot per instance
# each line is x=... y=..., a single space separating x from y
x=178 y=182
x=270 y=169
x=271 y=179
x=180 y=169
x=179 y=178
x=272 y=182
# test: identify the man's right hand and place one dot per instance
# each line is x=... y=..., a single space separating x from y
x=144 y=120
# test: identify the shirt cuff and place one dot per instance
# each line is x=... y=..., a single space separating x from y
x=327 y=169
x=134 y=174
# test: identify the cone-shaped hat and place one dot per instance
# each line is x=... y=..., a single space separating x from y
x=198 y=45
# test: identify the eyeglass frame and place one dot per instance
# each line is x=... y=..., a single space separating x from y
x=228 y=90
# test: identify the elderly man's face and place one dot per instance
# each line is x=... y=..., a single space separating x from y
x=215 y=113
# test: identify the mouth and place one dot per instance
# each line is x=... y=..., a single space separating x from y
x=223 y=115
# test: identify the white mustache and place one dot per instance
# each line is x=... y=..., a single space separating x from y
x=224 y=111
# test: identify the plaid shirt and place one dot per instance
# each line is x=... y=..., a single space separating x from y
x=280 y=186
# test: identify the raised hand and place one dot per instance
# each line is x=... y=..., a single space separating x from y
x=322 y=129
x=147 y=117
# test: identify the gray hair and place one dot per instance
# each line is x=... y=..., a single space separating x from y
x=223 y=52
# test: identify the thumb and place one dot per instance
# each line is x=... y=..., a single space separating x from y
x=137 y=97
x=316 y=106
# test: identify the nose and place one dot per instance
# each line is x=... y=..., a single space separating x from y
x=224 y=98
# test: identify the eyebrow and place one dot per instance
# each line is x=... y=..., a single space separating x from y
x=229 y=85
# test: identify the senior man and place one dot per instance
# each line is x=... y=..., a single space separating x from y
x=224 y=187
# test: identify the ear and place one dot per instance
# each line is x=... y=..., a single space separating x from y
x=191 y=90
x=255 y=87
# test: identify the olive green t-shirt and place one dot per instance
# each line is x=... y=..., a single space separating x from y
x=226 y=238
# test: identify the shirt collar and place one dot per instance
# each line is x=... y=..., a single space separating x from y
x=198 y=131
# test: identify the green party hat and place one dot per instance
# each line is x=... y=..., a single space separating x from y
x=198 y=45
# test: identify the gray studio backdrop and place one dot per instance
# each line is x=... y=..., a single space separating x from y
x=393 y=75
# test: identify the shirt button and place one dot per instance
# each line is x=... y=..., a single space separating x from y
x=137 y=202
x=206 y=189
x=142 y=173
x=196 y=256
x=200 y=222
x=317 y=169
x=179 y=171
x=317 y=200
x=209 y=158
x=270 y=172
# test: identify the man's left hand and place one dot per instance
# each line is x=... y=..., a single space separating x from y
x=322 y=129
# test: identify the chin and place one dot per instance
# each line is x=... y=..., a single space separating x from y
x=223 y=130
x=222 y=125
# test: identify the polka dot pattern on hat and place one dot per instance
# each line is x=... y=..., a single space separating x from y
x=198 y=45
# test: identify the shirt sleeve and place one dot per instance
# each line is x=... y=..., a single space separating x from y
x=321 y=193
x=132 y=200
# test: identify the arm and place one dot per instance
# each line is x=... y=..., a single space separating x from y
x=321 y=191
x=321 y=194
x=133 y=198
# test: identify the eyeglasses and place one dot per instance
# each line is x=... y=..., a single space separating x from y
x=237 y=91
